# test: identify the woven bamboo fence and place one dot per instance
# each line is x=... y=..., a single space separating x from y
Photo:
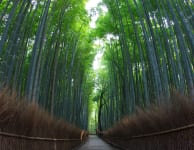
x=18 y=142
x=175 y=139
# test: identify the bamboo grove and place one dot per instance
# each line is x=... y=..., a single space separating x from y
x=45 y=55
x=149 y=51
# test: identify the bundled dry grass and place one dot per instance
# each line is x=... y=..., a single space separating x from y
x=177 y=113
x=22 y=118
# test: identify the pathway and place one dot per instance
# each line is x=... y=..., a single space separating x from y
x=95 y=143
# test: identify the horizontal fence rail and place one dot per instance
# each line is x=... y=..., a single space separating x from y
x=174 y=139
x=9 y=141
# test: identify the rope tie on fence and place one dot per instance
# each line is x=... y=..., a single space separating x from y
x=35 y=138
x=155 y=133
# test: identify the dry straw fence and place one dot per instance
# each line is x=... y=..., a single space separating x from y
x=17 y=142
x=175 y=139
x=25 y=126
x=167 y=127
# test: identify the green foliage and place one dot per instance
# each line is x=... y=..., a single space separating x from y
x=104 y=25
x=146 y=57
x=54 y=55
x=46 y=54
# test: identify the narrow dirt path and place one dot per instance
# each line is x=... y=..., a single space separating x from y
x=95 y=143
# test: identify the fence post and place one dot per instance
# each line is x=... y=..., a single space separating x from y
x=55 y=144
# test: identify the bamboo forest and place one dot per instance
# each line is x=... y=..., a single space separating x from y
x=96 y=74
